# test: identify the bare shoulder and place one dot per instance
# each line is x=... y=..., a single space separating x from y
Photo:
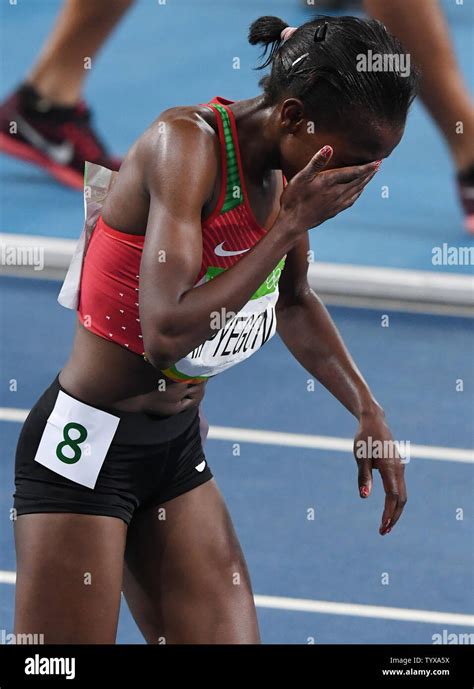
x=178 y=154
x=188 y=116
x=182 y=134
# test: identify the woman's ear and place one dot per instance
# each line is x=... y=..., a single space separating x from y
x=293 y=115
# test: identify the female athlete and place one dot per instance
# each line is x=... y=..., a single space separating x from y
x=199 y=255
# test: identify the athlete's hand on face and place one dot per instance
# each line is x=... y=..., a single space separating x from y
x=372 y=437
x=315 y=195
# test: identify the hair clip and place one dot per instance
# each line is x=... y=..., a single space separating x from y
x=298 y=59
x=320 y=33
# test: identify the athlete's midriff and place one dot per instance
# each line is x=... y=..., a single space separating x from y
x=110 y=283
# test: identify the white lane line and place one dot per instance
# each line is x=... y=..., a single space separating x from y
x=7 y=577
x=392 y=283
x=356 y=610
x=341 y=279
x=325 y=442
x=333 y=608
x=11 y=414
x=311 y=442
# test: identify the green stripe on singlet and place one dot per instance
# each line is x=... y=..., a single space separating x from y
x=233 y=196
x=267 y=287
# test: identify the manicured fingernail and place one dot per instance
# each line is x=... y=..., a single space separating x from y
x=388 y=531
x=326 y=151
x=377 y=167
x=364 y=491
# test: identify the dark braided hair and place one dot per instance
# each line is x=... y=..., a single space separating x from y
x=327 y=79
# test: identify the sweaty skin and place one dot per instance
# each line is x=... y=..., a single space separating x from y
x=167 y=185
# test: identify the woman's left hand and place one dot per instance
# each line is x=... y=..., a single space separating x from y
x=374 y=448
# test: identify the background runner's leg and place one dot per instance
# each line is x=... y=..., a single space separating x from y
x=80 y=30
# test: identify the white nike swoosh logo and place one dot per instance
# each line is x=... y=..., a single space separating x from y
x=62 y=153
x=202 y=466
x=220 y=251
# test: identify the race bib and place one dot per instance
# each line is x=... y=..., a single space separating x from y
x=76 y=440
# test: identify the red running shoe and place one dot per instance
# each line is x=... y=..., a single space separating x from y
x=58 y=139
x=466 y=194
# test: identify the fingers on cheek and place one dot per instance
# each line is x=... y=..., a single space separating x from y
x=360 y=187
x=350 y=202
x=354 y=190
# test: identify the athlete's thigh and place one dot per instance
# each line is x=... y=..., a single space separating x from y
x=69 y=576
x=185 y=577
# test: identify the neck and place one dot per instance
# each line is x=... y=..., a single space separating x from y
x=258 y=146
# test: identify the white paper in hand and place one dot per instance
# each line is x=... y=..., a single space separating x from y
x=97 y=183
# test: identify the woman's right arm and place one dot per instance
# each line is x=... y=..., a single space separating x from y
x=180 y=172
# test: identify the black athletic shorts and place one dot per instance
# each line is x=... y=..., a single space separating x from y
x=152 y=459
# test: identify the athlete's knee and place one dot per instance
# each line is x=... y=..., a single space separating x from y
x=226 y=569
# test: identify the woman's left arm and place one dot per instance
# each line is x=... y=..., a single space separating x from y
x=310 y=334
